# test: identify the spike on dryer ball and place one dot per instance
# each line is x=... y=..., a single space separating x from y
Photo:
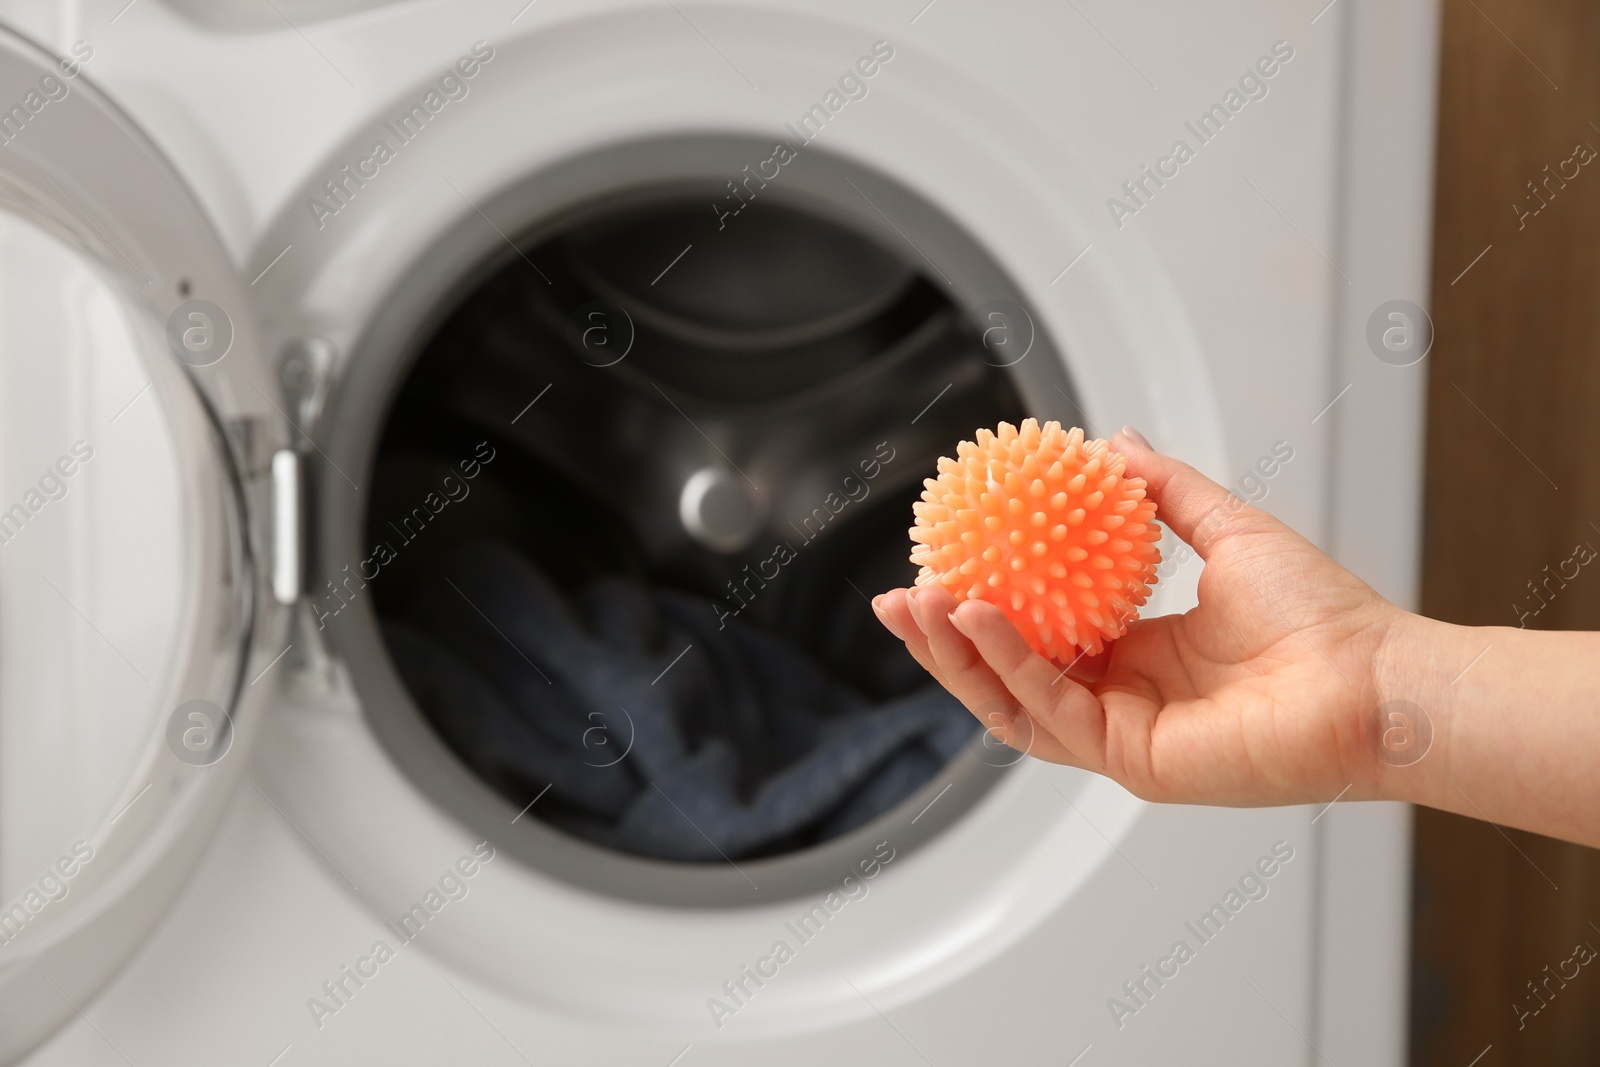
x=1047 y=527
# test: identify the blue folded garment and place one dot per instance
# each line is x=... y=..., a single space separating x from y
x=657 y=733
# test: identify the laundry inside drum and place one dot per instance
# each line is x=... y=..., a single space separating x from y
x=638 y=489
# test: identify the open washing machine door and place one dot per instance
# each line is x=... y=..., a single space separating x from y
x=130 y=427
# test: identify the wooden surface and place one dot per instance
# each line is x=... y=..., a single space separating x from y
x=1513 y=486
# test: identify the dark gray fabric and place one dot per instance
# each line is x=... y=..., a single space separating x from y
x=744 y=746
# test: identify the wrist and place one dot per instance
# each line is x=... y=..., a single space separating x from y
x=1407 y=727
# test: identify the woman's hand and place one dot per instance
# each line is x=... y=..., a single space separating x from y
x=1262 y=694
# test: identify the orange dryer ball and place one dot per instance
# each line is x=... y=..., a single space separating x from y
x=1047 y=527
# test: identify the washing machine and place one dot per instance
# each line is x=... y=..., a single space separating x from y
x=303 y=304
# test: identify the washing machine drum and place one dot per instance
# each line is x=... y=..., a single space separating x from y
x=656 y=605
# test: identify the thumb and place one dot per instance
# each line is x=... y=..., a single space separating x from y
x=1198 y=510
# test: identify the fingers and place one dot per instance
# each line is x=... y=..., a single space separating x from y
x=1055 y=701
x=920 y=618
x=932 y=605
x=1197 y=509
x=961 y=669
x=894 y=611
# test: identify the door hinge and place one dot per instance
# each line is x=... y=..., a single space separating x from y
x=304 y=375
x=288 y=527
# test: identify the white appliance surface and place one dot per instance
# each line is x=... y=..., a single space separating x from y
x=1221 y=309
